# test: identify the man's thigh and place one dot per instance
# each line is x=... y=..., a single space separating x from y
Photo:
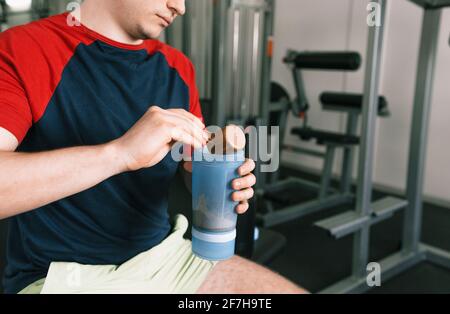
x=239 y=275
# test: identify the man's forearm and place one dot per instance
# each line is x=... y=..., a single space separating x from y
x=31 y=180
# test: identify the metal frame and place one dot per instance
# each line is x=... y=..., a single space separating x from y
x=247 y=65
x=4 y=15
x=412 y=252
x=327 y=197
x=39 y=9
x=238 y=64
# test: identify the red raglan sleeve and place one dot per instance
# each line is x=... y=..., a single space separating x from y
x=15 y=111
x=186 y=70
x=194 y=106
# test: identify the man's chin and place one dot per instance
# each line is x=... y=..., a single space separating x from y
x=150 y=33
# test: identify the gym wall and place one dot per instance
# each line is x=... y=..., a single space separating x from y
x=341 y=25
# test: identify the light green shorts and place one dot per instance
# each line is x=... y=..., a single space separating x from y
x=169 y=267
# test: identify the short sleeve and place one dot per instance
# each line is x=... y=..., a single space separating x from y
x=15 y=112
x=194 y=106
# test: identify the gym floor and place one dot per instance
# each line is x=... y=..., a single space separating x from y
x=314 y=260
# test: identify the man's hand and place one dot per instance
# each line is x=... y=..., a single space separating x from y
x=243 y=185
x=32 y=180
x=152 y=137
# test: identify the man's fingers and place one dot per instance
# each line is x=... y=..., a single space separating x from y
x=180 y=135
x=247 y=167
x=244 y=182
x=180 y=121
x=180 y=113
x=189 y=116
x=243 y=195
x=242 y=208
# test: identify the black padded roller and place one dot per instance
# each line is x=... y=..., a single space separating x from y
x=349 y=101
x=323 y=137
x=347 y=61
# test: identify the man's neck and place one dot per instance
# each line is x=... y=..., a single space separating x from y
x=96 y=16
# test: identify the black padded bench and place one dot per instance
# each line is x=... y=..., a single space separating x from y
x=312 y=60
x=325 y=137
x=349 y=102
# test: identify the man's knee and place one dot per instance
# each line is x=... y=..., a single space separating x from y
x=239 y=275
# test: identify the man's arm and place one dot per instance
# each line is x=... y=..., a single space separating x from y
x=31 y=180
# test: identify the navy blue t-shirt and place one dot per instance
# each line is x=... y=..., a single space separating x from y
x=64 y=86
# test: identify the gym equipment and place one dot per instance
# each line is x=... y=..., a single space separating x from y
x=359 y=221
x=232 y=62
x=3 y=16
x=233 y=75
x=187 y=34
x=40 y=9
x=57 y=7
x=349 y=103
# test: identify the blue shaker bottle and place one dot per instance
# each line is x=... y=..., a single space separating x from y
x=214 y=213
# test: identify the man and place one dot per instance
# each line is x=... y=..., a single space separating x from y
x=88 y=115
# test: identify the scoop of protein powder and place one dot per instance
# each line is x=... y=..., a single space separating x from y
x=229 y=141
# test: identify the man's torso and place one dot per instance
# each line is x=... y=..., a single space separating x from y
x=84 y=89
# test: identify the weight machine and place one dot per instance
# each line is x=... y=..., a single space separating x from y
x=348 y=103
x=368 y=213
x=3 y=16
x=232 y=58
